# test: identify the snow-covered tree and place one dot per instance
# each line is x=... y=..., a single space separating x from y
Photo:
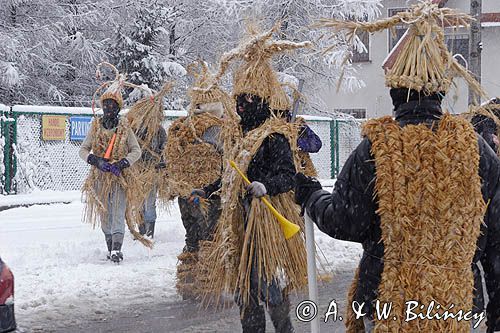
x=49 y=49
x=138 y=50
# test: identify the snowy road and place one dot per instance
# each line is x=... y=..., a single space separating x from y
x=62 y=280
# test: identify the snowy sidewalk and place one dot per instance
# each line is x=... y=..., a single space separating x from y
x=62 y=278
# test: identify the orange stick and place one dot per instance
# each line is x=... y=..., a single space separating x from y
x=107 y=155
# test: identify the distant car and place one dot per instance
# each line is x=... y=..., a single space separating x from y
x=7 y=319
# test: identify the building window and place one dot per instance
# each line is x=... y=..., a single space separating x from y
x=364 y=36
x=459 y=44
x=398 y=31
x=356 y=113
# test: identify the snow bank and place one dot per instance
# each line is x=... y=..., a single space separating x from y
x=315 y=118
x=51 y=109
x=39 y=197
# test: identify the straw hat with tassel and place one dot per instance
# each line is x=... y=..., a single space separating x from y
x=255 y=74
x=423 y=63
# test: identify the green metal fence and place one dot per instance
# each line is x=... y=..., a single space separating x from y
x=28 y=162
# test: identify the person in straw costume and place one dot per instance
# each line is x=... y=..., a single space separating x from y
x=250 y=256
x=420 y=193
x=486 y=122
x=145 y=118
x=194 y=165
x=109 y=189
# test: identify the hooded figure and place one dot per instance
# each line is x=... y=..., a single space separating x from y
x=414 y=194
x=250 y=256
x=111 y=148
x=194 y=165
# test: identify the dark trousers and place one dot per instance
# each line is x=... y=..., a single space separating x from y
x=198 y=226
x=252 y=316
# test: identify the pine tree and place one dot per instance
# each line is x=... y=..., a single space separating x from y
x=138 y=51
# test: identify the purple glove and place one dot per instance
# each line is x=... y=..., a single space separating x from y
x=117 y=167
x=99 y=162
x=309 y=141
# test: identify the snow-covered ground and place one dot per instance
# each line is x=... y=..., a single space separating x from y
x=61 y=275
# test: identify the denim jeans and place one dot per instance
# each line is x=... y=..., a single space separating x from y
x=149 y=209
x=113 y=221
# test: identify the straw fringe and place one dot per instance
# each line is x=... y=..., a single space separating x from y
x=424 y=63
x=256 y=76
x=98 y=185
x=426 y=208
x=230 y=254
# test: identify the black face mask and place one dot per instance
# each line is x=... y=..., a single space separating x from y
x=252 y=111
x=111 y=110
x=401 y=96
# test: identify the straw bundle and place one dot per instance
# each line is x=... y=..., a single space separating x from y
x=145 y=118
x=230 y=254
x=424 y=63
x=191 y=162
x=205 y=88
x=256 y=76
x=431 y=209
x=99 y=185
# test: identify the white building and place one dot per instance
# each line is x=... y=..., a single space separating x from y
x=374 y=100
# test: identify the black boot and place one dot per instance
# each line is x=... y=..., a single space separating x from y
x=280 y=316
x=109 y=243
x=116 y=254
x=253 y=319
x=142 y=228
x=150 y=229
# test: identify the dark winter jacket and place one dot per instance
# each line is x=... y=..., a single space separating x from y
x=349 y=213
x=486 y=127
x=273 y=164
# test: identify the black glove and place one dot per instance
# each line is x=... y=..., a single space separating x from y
x=99 y=162
x=304 y=187
x=161 y=165
x=117 y=167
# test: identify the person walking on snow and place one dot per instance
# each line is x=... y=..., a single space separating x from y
x=421 y=193
x=249 y=247
x=194 y=165
x=108 y=189
x=145 y=118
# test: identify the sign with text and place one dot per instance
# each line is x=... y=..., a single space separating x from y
x=53 y=128
x=79 y=127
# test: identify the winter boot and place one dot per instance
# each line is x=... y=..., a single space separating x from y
x=186 y=275
x=280 y=316
x=142 y=228
x=116 y=254
x=253 y=319
x=109 y=243
x=150 y=229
